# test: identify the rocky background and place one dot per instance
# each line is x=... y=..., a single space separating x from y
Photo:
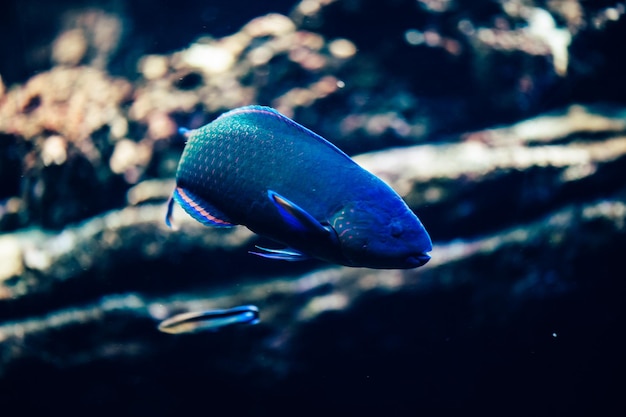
x=502 y=124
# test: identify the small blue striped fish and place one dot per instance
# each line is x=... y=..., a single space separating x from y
x=209 y=320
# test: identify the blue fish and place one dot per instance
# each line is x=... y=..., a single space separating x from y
x=253 y=166
x=210 y=320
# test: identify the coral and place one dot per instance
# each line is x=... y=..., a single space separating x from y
x=59 y=113
x=72 y=102
x=89 y=36
x=252 y=65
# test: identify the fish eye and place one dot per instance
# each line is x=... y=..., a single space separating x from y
x=396 y=229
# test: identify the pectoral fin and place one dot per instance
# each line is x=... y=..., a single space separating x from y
x=297 y=218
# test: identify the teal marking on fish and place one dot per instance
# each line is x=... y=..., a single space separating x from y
x=210 y=320
x=253 y=166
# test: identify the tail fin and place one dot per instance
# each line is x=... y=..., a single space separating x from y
x=169 y=217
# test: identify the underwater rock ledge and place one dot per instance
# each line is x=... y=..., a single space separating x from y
x=451 y=186
x=289 y=304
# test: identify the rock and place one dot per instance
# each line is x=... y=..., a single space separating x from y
x=122 y=328
x=41 y=264
x=12 y=265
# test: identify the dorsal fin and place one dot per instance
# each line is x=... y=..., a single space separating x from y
x=274 y=113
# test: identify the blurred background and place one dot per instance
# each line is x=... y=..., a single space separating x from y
x=501 y=123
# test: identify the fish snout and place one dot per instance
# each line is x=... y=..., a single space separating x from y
x=418 y=259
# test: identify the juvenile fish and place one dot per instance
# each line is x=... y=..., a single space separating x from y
x=256 y=167
x=210 y=320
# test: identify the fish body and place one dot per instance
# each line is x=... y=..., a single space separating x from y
x=255 y=167
x=210 y=320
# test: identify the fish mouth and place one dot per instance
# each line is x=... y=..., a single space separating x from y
x=419 y=259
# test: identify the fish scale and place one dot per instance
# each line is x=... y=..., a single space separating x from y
x=256 y=167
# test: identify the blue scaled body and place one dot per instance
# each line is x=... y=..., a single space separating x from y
x=256 y=167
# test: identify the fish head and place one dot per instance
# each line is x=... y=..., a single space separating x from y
x=386 y=236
